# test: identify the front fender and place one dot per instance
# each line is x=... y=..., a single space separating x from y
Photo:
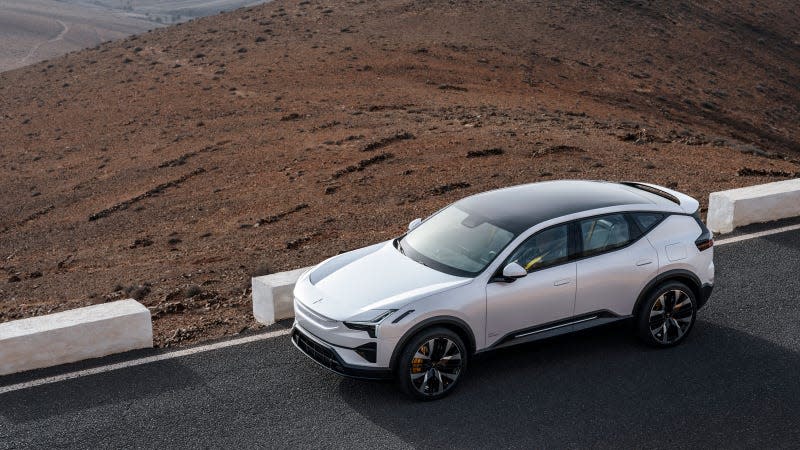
x=448 y=321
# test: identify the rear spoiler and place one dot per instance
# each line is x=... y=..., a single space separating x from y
x=687 y=204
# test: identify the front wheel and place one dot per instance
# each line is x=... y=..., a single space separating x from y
x=431 y=364
x=668 y=315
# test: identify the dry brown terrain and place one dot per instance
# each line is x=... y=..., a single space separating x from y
x=174 y=165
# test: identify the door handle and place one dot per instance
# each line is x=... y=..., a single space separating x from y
x=562 y=282
x=644 y=262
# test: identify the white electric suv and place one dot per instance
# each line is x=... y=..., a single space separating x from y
x=505 y=267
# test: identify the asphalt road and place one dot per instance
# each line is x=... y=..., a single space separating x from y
x=734 y=383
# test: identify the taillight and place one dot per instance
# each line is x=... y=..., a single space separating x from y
x=706 y=240
x=704 y=244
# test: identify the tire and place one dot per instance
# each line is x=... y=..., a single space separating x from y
x=425 y=378
x=667 y=315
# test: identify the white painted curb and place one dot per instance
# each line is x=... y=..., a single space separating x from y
x=754 y=204
x=273 y=297
x=74 y=335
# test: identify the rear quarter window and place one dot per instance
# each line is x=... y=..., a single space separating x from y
x=646 y=220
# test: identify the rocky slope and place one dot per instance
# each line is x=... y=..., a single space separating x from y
x=173 y=165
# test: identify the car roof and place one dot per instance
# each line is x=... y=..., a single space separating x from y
x=518 y=208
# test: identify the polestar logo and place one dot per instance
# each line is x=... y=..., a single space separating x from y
x=316 y=301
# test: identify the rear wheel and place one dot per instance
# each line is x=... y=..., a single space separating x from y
x=668 y=315
x=431 y=364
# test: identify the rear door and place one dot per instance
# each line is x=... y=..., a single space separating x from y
x=615 y=262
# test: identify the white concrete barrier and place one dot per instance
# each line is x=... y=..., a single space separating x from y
x=74 y=335
x=272 y=296
x=754 y=204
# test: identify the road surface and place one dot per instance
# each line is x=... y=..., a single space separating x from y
x=734 y=383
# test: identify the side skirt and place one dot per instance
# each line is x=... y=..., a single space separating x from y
x=552 y=329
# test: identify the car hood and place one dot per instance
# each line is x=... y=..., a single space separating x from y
x=376 y=277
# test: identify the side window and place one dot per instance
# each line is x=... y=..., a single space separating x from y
x=545 y=248
x=605 y=233
x=647 y=220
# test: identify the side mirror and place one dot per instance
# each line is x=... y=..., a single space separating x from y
x=414 y=224
x=514 y=271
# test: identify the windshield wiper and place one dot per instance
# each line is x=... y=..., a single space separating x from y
x=399 y=247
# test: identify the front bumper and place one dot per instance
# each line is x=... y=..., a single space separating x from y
x=323 y=353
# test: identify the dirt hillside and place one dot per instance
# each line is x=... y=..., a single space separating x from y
x=173 y=165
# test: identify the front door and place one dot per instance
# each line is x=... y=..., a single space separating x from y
x=546 y=294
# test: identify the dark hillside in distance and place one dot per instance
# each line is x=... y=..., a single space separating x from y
x=35 y=30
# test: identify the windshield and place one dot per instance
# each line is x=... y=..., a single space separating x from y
x=455 y=242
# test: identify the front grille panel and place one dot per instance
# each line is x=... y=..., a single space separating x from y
x=322 y=354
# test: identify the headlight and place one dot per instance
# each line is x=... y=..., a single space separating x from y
x=368 y=320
